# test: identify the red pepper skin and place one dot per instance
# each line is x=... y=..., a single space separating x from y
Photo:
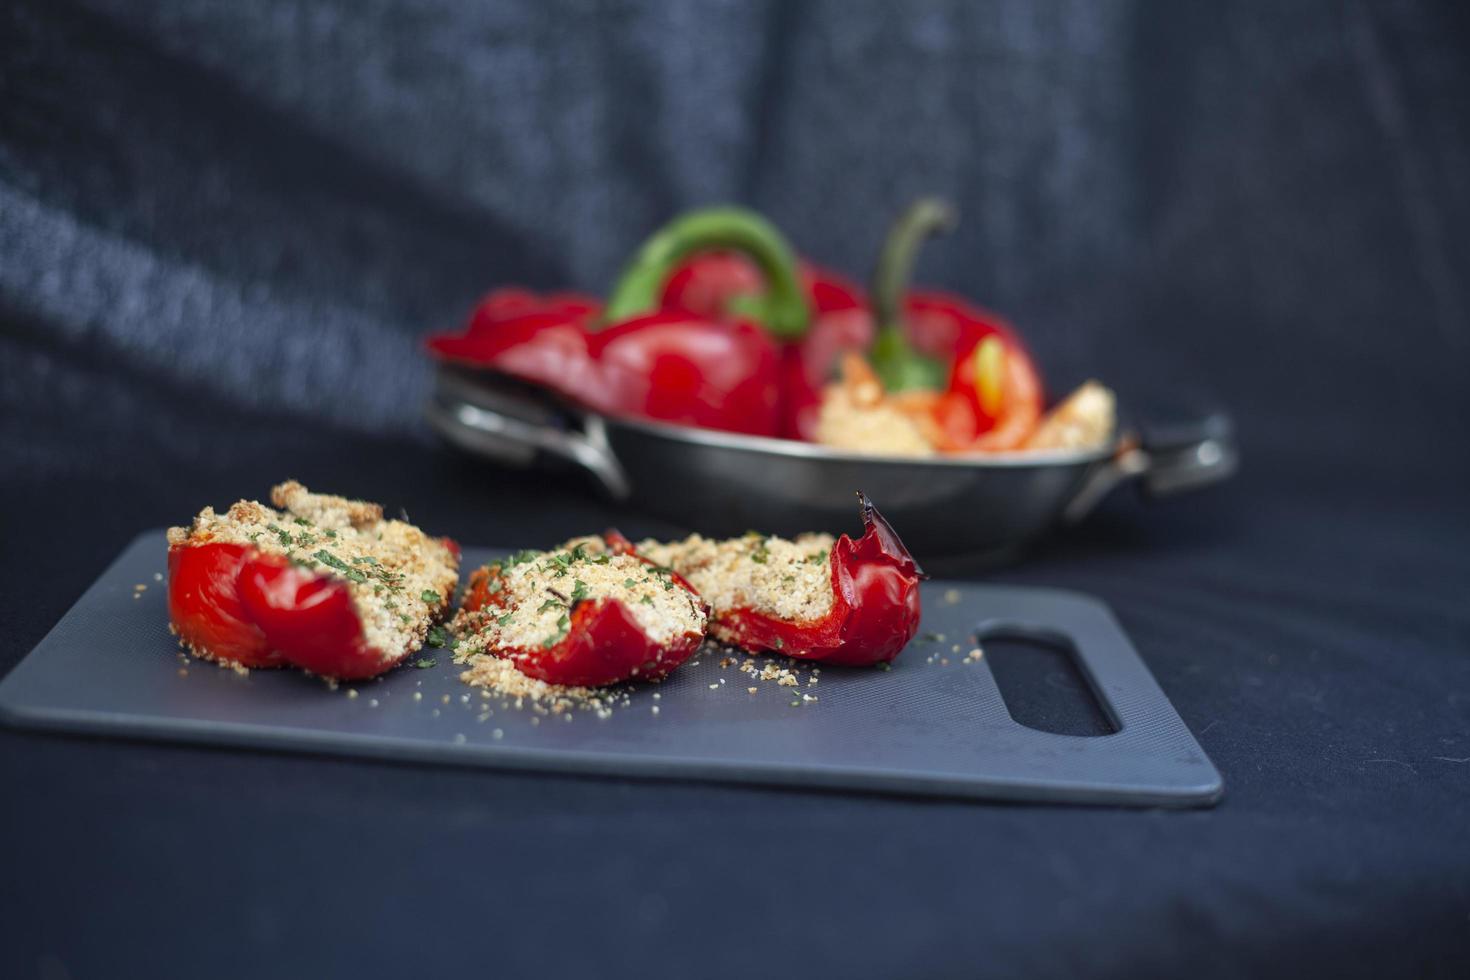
x=875 y=610
x=949 y=328
x=667 y=365
x=682 y=368
x=230 y=602
x=709 y=282
x=205 y=608
x=604 y=643
x=538 y=339
x=510 y=318
x=713 y=284
x=1020 y=408
x=309 y=619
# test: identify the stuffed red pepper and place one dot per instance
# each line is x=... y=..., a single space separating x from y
x=839 y=601
x=587 y=614
x=322 y=583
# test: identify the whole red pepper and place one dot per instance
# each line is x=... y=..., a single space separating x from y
x=875 y=608
x=636 y=357
x=603 y=643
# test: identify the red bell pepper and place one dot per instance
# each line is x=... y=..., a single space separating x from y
x=639 y=359
x=235 y=604
x=994 y=398
x=538 y=339
x=875 y=609
x=721 y=284
x=930 y=340
x=603 y=643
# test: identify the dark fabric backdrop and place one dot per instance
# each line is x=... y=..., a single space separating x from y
x=224 y=227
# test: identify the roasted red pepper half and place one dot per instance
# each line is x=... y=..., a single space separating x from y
x=875 y=609
x=235 y=604
x=637 y=358
x=930 y=340
x=603 y=643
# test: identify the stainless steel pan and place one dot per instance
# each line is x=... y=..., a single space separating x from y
x=724 y=484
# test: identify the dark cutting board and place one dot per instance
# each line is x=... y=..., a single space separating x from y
x=934 y=724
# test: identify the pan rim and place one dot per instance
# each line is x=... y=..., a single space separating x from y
x=796 y=449
x=793 y=448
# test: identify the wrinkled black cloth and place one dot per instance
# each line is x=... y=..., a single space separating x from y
x=224 y=228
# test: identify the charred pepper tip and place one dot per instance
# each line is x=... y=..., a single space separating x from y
x=888 y=540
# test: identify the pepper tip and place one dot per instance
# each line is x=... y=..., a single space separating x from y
x=888 y=539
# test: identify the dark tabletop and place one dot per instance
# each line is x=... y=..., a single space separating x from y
x=221 y=234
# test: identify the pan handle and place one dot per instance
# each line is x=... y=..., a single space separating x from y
x=517 y=424
x=1165 y=459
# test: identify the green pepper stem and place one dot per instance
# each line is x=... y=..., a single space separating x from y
x=898 y=365
x=783 y=310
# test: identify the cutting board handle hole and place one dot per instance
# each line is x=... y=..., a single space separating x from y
x=1041 y=682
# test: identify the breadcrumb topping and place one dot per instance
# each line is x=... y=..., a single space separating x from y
x=400 y=579
x=534 y=592
x=790 y=580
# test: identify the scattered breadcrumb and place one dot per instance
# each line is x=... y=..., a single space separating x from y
x=775 y=670
x=500 y=676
